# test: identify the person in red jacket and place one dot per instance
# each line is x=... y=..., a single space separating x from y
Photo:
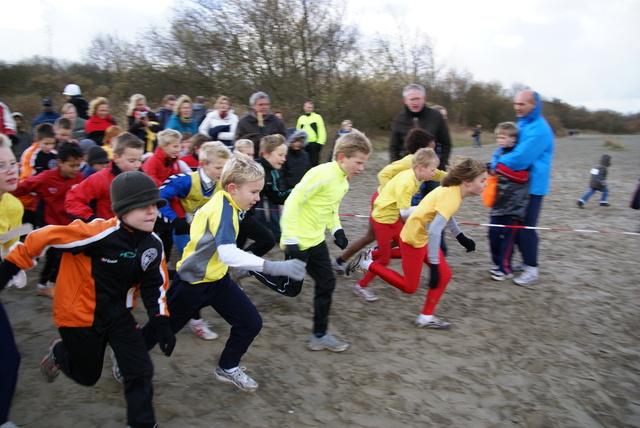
x=99 y=119
x=163 y=164
x=52 y=186
x=91 y=199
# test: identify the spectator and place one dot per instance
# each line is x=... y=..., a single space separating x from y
x=164 y=114
x=24 y=137
x=297 y=163
x=259 y=122
x=181 y=119
x=47 y=115
x=99 y=119
x=221 y=123
x=77 y=123
x=143 y=123
x=74 y=96
x=198 y=110
x=316 y=134
x=417 y=114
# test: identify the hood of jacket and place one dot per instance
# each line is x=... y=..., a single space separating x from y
x=299 y=133
x=605 y=160
x=536 y=113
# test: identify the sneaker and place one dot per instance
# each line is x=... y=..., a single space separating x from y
x=48 y=367
x=115 y=369
x=338 y=268
x=8 y=424
x=238 y=378
x=518 y=268
x=580 y=203
x=500 y=276
x=354 y=265
x=495 y=268
x=528 y=277
x=201 y=329
x=604 y=204
x=327 y=342
x=435 y=323
x=47 y=290
x=238 y=274
x=365 y=292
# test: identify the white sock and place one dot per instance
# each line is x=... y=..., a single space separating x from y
x=422 y=318
x=365 y=264
x=231 y=370
x=195 y=321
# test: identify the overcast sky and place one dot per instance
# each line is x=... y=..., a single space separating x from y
x=585 y=52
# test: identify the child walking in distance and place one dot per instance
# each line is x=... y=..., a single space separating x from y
x=203 y=278
x=510 y=205
x=11 y=211
x=105 y=264
x=311 y=208
x=598 y=183
x=420 y=238
x=390 y=209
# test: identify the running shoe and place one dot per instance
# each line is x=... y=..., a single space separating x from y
x=365 y=292
x=328 y=342
x=201 y=329
x=48 y=367
x=435 y=323
x=238 y=378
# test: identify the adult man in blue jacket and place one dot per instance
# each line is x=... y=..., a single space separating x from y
x=534 y=152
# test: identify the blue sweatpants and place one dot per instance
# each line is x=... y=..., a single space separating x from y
x=527 y=239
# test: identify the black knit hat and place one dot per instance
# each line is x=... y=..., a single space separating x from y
x=134 y=189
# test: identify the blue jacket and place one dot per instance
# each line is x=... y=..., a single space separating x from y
x=180 y=126
x=534 y=151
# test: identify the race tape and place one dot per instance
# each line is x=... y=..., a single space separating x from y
x=506 y=226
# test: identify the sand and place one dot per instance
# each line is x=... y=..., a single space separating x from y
x=563 y=353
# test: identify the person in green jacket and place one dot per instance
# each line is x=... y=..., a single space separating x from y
x=316 y=133
x=311 y=208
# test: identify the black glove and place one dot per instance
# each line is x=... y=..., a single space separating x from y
x=180 y=226
x=166 y=338
x=341 y=240
x=434 y=278
x=7 y=271
x=467 y=243
x=292 y=251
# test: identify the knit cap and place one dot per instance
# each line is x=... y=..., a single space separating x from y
x=134 y=189
x=97 y=154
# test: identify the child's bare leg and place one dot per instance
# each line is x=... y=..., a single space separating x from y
x=359 y=244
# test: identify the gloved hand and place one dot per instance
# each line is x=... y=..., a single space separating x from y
x=341 y=239
x=434 y=278
x=180 y=226
x=166 y=338
x=294 y=252
x=7 y=272
x=294 y=268
x=467 y=243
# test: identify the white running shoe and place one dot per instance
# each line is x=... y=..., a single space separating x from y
x=115 y=370
x=528 y=277
x=201 y=329
x=365 y=292
x=238 y=378
x=338 y=268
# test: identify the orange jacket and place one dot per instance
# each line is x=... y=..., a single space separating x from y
x=105 y=264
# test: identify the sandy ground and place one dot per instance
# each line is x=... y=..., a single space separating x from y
x=564 y=353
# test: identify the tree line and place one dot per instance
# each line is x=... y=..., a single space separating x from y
x=294 y=50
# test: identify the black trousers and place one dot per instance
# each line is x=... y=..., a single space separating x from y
x=313 y=149
x=227 y=299
x=80 y=355
x=319 y=268
x=9 y=364
x=263 y=240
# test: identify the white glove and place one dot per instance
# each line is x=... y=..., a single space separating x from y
x=294 y=268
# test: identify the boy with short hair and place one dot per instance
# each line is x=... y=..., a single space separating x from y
x=244 y=146
x=91 y=198
x=63 y=129
x=40 y=157
x=273 y=151
x=203 y=279
x=390 y=209
x=510 y=206
x=192 y=159
x=51 y=187
x=104 y=266
x=311 y=208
